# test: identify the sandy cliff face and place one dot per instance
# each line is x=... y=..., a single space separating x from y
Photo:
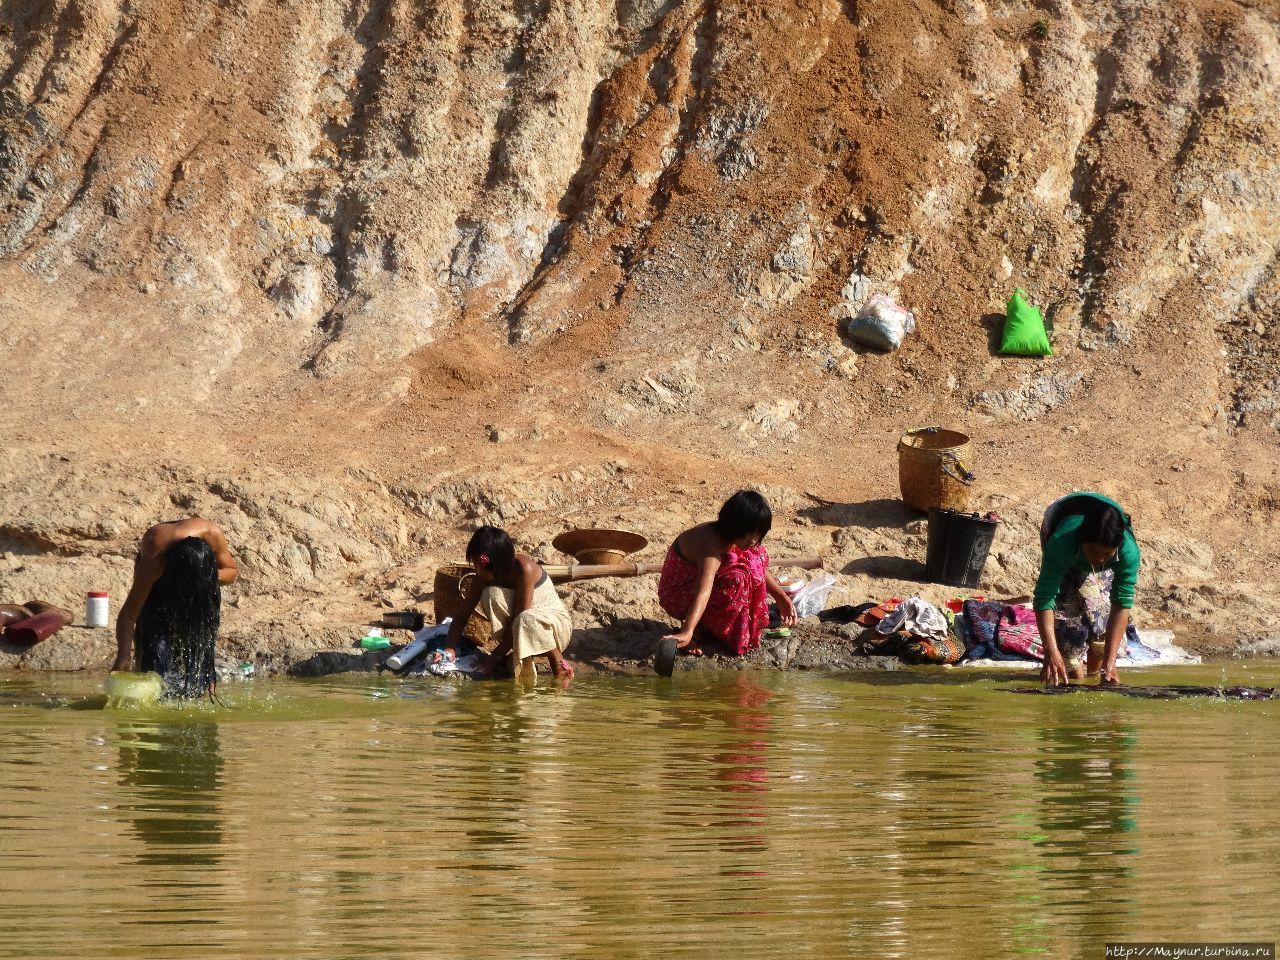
x=352 y=276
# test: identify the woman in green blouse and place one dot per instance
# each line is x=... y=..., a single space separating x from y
x=1088 y=572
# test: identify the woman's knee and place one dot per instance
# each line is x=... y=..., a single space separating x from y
x=733 y=582
x=491 y=598
x=525 y=620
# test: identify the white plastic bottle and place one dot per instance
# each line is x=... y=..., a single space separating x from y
x=97 y=609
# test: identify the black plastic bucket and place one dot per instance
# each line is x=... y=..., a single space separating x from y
x=664 y=661
x=957 y=547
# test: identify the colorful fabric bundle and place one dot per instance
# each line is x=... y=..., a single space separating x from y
x=946 y=649
x=1018 y=633
x=982 y=617
x=981 y=622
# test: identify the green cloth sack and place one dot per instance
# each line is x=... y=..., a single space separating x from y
x=1024 y=332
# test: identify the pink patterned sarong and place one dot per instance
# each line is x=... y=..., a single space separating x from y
x=738 y=609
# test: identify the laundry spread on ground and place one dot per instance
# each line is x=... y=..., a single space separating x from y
x=975 y=631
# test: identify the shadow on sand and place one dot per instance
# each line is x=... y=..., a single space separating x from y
x=882 y=514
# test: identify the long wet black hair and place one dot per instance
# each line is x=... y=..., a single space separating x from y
x=179 y=622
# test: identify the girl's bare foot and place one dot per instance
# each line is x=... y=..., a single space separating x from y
x=561 y=668
x=690 y=649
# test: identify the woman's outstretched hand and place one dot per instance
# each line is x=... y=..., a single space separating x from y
x=1055 y=670
x=786 y=611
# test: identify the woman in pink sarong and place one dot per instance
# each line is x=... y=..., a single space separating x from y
x=716 y=579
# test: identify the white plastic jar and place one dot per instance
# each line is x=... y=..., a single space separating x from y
x=97 y=609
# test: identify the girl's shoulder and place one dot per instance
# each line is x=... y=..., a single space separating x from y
x=1129 y=552
x=527 y=566
x=698 y=543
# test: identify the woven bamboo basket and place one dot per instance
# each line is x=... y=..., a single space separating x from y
x=450 y=590
x=601 y=556
x=930 y=471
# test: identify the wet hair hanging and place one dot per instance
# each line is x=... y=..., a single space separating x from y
x=180 y=620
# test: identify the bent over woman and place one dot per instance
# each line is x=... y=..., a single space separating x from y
x=716 y=579
x=174 y=607
x=1088 y=573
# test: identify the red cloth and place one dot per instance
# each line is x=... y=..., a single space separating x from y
x=34 y=629
x=738 y=609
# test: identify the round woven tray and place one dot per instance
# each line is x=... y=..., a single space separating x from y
x=599 y=546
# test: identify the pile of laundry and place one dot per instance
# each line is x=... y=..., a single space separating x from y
x=430 y=652
x=975 y=630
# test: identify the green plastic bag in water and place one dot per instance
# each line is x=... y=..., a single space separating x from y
x=1024 y=332
x=133 y=689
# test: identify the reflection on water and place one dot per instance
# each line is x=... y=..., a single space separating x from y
x=171 y=774
x=915 y=814
x=1087 y=819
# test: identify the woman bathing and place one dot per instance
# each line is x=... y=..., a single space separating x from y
x=173 y=609
x=516 y=595
x=716 y=579
x=1088 y=572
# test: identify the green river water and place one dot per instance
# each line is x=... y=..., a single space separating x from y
x=924 y=813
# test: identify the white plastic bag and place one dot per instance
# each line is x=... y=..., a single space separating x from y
x=812 y=597
x=881 y=323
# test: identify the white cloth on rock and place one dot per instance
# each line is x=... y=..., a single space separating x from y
x=917 y=617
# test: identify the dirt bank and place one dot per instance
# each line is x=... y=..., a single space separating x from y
x=352 y=277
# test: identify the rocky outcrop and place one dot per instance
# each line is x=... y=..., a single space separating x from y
x=355 y=176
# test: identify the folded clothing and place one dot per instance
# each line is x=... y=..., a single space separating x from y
x=878 y=611
x=1017 y=632
x=918 y=617
x=982 y=619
